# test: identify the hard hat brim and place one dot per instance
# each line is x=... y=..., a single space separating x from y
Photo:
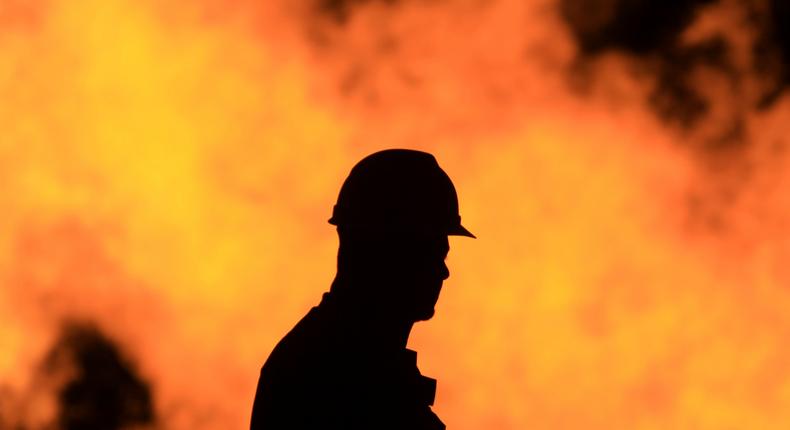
x=456 y=230
x=460 y=230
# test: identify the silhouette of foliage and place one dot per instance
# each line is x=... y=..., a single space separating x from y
x=104 y=392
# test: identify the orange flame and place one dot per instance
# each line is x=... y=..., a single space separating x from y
x=167 y=170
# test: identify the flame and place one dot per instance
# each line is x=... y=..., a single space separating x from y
x=167 y=169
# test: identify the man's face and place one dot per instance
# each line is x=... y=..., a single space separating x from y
x=416 y=270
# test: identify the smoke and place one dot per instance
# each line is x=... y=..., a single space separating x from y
x=340 y=10
x=639 y=27
x=773 y=46
x=684 y=48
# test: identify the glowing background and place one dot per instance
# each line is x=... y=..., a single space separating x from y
x=167 y=169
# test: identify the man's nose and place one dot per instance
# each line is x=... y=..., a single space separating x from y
x=445 y=272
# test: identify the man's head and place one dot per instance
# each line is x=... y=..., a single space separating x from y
x=394 y=213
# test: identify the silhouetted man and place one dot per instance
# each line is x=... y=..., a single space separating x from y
x=345 y=364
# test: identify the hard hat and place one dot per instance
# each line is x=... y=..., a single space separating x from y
x=399 y=190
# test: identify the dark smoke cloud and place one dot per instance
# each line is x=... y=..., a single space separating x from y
x=340 y=10
x=639 y=27
x=105 y=392
x=772 y=50
x=650 y=33
x=649 y=30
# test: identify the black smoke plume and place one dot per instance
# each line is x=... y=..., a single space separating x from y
x=651 y=33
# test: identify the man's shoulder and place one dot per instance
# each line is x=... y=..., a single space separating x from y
x=300 y=345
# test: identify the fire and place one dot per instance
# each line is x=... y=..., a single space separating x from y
x=167 y=171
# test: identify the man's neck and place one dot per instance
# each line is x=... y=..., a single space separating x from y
x=375 y=324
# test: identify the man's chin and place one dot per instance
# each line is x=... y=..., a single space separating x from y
x=424 y=315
